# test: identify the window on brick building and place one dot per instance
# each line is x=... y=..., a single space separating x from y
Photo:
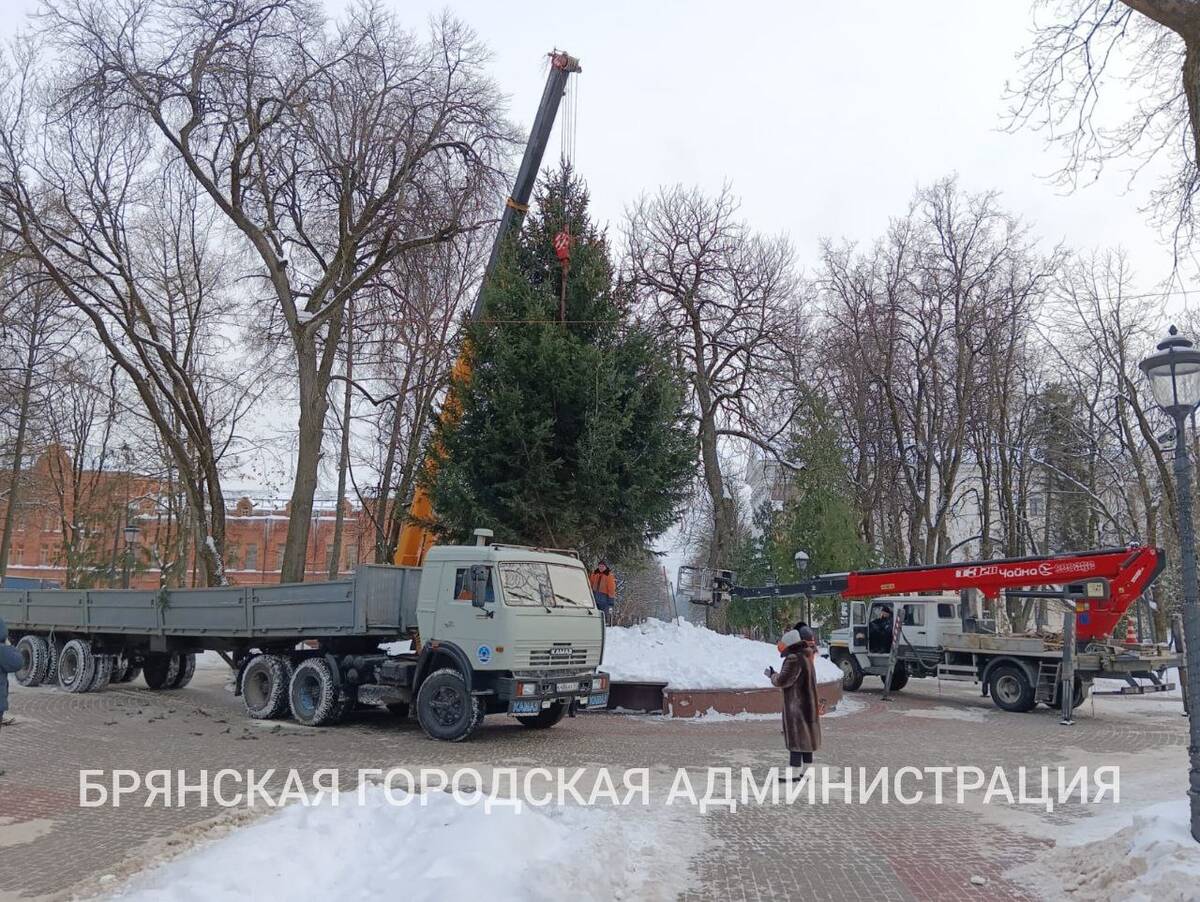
x=351 y=557
x=44 y=556
x=251 y=557
x=18 y=554
x=329 y=558
x=279 y=557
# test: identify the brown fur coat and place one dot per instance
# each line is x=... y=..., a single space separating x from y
x=801 y=719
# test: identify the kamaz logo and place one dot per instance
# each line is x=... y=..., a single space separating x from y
x=558 y=652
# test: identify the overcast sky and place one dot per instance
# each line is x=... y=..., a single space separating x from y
x=823 y=117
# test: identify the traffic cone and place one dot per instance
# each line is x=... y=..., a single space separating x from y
x=1130 y=632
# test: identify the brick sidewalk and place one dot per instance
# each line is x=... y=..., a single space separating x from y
x=50 y=847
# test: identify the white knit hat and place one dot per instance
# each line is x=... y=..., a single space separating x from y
x=790 y=638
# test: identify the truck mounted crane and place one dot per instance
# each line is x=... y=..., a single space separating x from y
x=934 y=628
x=415 y=536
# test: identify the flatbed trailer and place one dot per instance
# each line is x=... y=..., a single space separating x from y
x=490 y=629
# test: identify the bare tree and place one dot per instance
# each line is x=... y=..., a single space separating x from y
x=1085 y=55
x=722 y=299
x=330 y=151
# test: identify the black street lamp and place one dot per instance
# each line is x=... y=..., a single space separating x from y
x=1174 y=376
x=131 y=537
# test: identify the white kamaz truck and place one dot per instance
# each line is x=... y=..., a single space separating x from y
x=494 y=629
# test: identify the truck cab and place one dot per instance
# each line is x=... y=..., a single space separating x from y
x=862 y=644
x=498 y=629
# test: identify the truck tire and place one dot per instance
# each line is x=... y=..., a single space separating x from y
x=899 y=678
x=265 y=687
x=445 y=709
x=852 y=673
x=546 y=718
x=102 y=675
x=1010 y=688
x=35 y=658
x=187 y=670
x=160 y=670
x=76 y=666
x=316 y=699
x=55 y=649
x=125 y=671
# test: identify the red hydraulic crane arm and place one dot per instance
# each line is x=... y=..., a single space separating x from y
x=1129 y=572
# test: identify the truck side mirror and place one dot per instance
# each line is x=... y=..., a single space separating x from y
x=479 y=584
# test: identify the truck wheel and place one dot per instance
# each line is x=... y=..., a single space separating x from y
x=852 y=673
x=76 y=666
x=125 y=671
x=445 y=709
x=187 y=669
x=160 y=670
x=35 y=660
x=899 y=678
x=315 y=697
x=1077 y=697
x=545 y=718
x=55 y=649
x=1010 y=688
x=265 y=687
x=102 y=674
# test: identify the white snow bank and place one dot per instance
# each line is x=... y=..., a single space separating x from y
x=686 y=656
x=712 y=715
x=442 y=850
x=1149 y=856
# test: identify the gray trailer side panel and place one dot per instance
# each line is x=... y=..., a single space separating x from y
x=377 y=600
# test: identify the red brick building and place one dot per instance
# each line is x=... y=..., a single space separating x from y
x=70 y=523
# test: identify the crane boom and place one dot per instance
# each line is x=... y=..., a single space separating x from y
x=415 y=538
x=1129 y=572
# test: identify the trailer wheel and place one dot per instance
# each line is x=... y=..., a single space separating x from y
x=445 y=709
x=35 y=660
x=899 y=678
x=546 y=718
x=160 y=670
x=852 y=673
x=1010 y=688
x=265 y=687
x=316 y=699
x=102 y=675
x=187 y=669
x=76 y=666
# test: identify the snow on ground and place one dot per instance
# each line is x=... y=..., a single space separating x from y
x=1146 y=854
x=686 y=656
x=972 y=715
x=712 y=715
x=437 y=851
x=210 y=660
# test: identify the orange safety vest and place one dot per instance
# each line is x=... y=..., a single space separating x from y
x=604 y=583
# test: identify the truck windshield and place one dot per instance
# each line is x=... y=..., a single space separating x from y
x=530 y=584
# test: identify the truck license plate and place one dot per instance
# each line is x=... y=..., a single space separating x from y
x=598 y=701
x=569 y=687
x=527 y=706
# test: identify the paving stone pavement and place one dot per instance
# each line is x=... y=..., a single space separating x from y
x=51 y=847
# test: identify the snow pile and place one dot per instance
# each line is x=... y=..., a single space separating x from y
x=686 y=656
x=1150 y=858
x=436 y=851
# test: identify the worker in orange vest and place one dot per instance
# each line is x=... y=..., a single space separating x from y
x=604 y=586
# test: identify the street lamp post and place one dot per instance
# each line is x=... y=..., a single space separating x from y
x=1174 y=377
x=131 y=537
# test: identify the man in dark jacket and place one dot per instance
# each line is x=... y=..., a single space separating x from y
x=10 y=662
x=797 y=678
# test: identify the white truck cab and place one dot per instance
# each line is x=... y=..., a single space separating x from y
x=919 y=623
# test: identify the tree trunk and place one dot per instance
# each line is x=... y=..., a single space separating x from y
x=14 y=482
x=339 y=519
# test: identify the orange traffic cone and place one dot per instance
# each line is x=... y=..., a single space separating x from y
x=1130 y=632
